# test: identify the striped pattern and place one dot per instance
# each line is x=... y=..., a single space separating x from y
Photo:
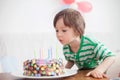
x=89 y=55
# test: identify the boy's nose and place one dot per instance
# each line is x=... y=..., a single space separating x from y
x=59 y=34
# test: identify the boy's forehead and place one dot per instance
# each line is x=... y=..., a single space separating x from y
x=61 y=27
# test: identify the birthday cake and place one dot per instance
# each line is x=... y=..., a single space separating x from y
x=36 y=67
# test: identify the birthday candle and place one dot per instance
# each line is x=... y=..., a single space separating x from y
x=34 y=54
x=40 y=54
x=51 y=53
x=56 y=52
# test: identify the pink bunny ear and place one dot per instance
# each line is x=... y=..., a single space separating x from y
x=68 y=1
x=84 y=6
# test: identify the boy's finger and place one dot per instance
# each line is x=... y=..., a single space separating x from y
x=104 y=76
x=88 y=74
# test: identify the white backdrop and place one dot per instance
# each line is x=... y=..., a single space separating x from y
x=26 y=26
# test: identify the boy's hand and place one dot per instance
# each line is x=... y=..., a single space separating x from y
x=96 y=74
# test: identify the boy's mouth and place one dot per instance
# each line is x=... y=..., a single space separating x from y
x=60 y=40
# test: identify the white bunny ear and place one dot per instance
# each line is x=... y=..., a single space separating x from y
x=9 y=64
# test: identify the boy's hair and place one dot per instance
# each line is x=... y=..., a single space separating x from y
x=71 y=18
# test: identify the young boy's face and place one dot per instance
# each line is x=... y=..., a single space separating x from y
x=64 y=33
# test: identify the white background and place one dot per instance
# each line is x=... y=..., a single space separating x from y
x=26 y=26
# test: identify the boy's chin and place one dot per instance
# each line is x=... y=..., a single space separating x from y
x=63 y=43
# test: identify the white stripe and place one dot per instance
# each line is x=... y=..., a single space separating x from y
x=72 y=59
x=86 y=57
x=87 y=47
x=85 y=53
x=105 y=53
x=81 y=63
x=97 y=47
x=67 y=55
x=86 y=41
x=66 y=50
x=100 y=52
x=66 y=46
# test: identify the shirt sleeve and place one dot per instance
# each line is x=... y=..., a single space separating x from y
x=101 y=51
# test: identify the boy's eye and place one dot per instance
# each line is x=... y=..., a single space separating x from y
x=64 y=30
x=56 y=30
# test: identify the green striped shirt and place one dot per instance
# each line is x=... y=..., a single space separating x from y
x=89 y=55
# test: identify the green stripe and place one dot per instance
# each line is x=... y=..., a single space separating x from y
x=88 y=44
x=89 y=40
x=86 y=60
x=109 y=54
x=66 y=48
x=86 y=50
x=81 y=43
x=98 y=49
x=66 y=53
x=102 y=54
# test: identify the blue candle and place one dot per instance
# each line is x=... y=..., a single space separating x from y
x=51 y=54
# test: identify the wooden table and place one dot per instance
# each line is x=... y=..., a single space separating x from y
x=79 y=76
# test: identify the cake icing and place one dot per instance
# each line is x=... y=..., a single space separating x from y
x=36 y=67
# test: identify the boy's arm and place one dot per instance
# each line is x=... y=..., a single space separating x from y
x=69 y=64
x=98 y=72
x=105 y=64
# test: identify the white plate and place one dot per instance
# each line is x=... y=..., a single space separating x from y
x=68 y=72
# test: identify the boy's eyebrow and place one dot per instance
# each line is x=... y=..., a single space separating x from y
x=60 y=27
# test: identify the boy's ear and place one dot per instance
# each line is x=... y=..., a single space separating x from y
x=77 y=33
